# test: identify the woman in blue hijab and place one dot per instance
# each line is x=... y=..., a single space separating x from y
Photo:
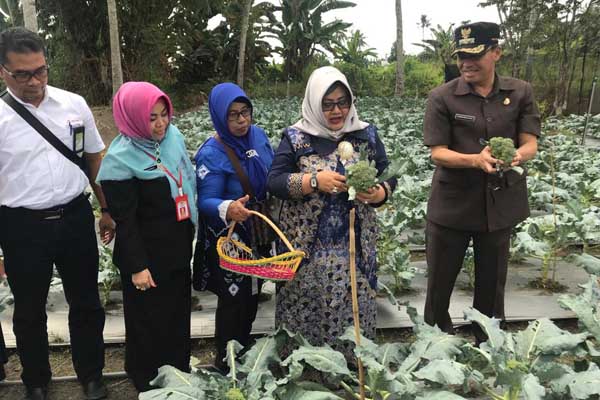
x=222 y=199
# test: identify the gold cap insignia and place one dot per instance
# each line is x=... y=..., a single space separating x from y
x=465 y=33
x=506 y=101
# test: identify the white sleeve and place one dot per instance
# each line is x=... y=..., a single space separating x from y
x=223 y=210
x=93 y=140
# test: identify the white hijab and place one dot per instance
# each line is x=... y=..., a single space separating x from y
x=313 y=119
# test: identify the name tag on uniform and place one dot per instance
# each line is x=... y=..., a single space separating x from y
x=77 y=131
x=464 y=117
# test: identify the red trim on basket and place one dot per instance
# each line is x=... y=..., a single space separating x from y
x=269 y=271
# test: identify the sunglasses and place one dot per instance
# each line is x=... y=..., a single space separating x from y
x=25 y=76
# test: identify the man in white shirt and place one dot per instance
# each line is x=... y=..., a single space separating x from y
x=45 y=217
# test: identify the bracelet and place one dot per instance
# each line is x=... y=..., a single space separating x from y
x=104 y=210
x=385 y=198
x=294 y=185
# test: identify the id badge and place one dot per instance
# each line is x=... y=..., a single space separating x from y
x=78 y=135
x=182 y=206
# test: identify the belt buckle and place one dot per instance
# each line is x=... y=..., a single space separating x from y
x=57 y=214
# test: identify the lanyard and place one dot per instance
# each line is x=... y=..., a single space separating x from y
x=159 y=164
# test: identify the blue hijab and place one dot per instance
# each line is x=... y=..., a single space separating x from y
x=220 y=99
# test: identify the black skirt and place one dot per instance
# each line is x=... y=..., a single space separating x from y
x=157 y=326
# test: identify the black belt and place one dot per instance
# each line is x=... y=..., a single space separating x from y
x=54 y=212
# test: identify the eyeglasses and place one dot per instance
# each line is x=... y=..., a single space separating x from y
x=235 y=115
x=343 y=104
x=25 y=76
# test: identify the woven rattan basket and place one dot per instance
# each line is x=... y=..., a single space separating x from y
x=235 y=256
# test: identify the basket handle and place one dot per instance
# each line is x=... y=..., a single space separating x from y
x=271 y=224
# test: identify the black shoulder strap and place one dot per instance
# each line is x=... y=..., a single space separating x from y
x=245 y=182
x=42 y=130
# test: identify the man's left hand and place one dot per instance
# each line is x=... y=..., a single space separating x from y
x=517 y=159
x=107 y=228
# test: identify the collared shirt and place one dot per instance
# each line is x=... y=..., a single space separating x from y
x=459 y=117
x=33 y=174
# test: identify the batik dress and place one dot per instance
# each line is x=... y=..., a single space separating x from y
x=317 y=303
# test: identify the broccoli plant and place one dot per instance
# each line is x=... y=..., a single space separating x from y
x=108 y=274
x=468 y=267
x=523 y=362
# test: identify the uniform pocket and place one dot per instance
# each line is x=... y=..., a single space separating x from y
x=452 y=177
x=513 y=177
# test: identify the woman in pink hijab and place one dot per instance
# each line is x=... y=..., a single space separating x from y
x=150 y=188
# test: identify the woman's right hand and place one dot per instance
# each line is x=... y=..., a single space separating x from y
x=237 y=210
x=331 y=182
x=143 y=280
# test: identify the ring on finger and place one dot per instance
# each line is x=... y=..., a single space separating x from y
x=334 y=190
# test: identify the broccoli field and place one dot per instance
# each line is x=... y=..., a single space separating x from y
x=563 y=180
x=541 y=361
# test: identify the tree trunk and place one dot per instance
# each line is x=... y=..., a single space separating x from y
x=571 y=78
x=533 y=16
x=399 y=51
x=560 y=99
x=582 y=80
x=243 y=37
x=30 y=15
x=115 y=46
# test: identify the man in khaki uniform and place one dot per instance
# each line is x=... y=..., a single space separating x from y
x=469 y=199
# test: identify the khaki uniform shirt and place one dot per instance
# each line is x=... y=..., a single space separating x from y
x=458 y=117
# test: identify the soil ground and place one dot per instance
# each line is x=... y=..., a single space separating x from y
x=202 y=349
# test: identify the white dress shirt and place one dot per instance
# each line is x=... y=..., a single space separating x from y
x=33 y=174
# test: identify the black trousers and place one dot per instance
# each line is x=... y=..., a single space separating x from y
x=233 y=321
x=31 y=246
x=445 y=251
x=157 y=326
x=3 y=355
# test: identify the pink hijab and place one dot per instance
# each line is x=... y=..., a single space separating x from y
x=132 y=105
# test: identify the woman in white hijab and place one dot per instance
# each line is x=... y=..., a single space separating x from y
x=308 y=173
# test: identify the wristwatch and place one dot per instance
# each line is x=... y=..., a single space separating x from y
x=313 y=182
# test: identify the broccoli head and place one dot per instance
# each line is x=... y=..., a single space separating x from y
x=503 y=149
x=234 y=394
x=360 y=177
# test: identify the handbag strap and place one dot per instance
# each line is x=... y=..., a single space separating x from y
x=42 y=130
x=237 y=167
